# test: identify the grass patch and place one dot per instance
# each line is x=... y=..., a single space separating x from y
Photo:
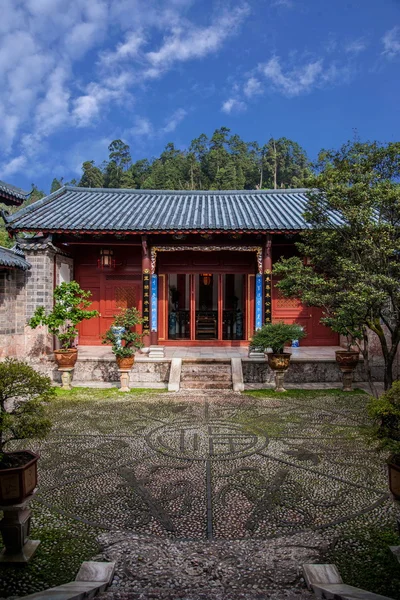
x=364 y=560
x=64 y=545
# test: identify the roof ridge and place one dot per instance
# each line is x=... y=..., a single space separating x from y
x=34 y=205
x=186 y=192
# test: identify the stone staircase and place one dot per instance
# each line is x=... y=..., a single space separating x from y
x=206 y=374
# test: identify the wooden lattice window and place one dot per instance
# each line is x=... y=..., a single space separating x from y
x=125 y=297
x=283 y=302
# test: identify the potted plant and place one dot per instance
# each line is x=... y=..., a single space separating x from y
x=23 y=395
x=125 y=342
x=274 y=336
x=385 y=411
x=70 y=309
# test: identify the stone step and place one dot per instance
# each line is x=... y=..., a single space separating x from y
x=206 y=376
x=206 y=385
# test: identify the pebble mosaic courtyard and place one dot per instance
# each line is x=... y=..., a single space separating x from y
x=204 y=494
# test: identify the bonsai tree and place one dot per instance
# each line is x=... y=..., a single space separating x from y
x=275 y=335
x=125 y=344
x=23 y=396
x=70 y=309
x=385 y=411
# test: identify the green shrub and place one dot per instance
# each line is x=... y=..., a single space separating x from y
x=385 y=411
x=23 y=395
x=130 y=340
x=276 y=335
x=70 y=304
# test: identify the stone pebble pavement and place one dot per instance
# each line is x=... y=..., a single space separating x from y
x=150 y=568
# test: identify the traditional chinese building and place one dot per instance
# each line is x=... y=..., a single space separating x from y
x=199 y=265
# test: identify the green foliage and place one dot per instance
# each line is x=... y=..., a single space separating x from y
x=56 y=184
x=70 y=304
x=131 y=341
x=385 y=411
x=353 y=245
x=23 y=395
x=221 y=162
x=276 y=335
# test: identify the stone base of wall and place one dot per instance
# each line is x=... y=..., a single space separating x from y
x=300 y=372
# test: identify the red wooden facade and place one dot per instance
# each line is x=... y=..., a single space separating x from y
x=204 y=297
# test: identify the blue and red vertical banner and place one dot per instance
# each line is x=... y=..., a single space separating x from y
x=259 y=301
x=154 y=302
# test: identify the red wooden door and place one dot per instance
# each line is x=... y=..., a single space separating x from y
x=90 y=330
x=291 y=310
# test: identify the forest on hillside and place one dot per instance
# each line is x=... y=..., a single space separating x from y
x=223 y=161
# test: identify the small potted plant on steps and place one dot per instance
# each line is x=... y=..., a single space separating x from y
x=69 y=309
x=274 y=336
x=125 y=342
x=23 y=396
x=385 y=411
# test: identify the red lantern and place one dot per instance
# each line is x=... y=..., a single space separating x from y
x=207 y=278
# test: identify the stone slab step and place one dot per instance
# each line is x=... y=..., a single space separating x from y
x=206 y=377
x=341 y=591
x=206 y=385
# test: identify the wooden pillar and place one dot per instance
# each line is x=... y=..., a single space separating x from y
x=146 y=276
x=267 y=271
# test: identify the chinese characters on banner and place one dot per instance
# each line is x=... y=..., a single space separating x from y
x=259 y=300
x=146 y=302
x=267 y=296
x=154 y=295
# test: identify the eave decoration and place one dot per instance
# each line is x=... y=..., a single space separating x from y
x=257 y=249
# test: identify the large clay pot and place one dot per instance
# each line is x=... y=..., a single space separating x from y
x=279 y=362
x=125 y=362
x=16 y=483
x=66 y=358
x=347 y=359
x=394 y=475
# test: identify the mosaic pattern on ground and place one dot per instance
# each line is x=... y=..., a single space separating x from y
x=212 y=466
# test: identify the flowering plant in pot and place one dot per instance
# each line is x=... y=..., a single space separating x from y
x=385 y=411
x=274 y=336
x=124 y=339
x=70 y=309
x=24 y=394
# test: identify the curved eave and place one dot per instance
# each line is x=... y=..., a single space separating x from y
x=154 y=231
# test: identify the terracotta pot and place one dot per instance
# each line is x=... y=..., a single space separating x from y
x=279 y=362
x=347 y=359
x=66 y=358
x=125 y=362
x=394 y=475
x=16 y=483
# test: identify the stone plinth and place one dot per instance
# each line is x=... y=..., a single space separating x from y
x=124 y=379
x=15 y=528
x=66 y=377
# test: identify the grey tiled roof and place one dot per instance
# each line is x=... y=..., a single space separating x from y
x=13 y=259
x=86 y=209
x=9 y=194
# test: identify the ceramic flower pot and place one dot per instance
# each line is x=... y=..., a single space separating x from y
x=17 y=482
x=394 y=475
x=66 y=358
x=347 y=359
x=279 y=362
x=125 y=362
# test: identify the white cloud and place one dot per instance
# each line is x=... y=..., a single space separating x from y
x=142 y=127
x=356 y=46
x=252 y=87
x=186 y=43
x=233 y=105
x=126 y=50
x=174 y=120
x=15 y=165
x=296 y=81
x=285 y=3
x=391 y=42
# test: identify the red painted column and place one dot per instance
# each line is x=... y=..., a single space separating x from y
x=267 y=271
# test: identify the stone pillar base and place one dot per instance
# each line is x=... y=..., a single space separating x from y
x=347 y=378
x=124 y=379
x=156 y=352
x=15 y=528
x=66 y=377
x=279 y=380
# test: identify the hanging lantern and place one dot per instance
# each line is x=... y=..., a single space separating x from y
x=207 y=278
x=106 y=260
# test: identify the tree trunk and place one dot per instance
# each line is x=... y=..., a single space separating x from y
x=367 y=366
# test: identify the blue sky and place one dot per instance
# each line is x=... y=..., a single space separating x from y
x=77 y=74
